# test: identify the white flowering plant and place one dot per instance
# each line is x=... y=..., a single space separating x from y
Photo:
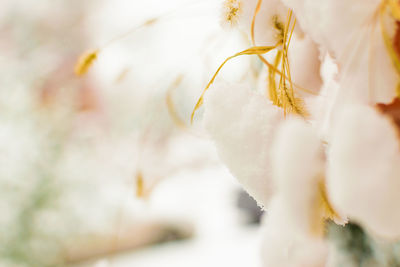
x=315 y=141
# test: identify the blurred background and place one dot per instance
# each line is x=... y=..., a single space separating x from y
x=106 y=170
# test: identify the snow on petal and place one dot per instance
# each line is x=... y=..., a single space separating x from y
x=241 y=122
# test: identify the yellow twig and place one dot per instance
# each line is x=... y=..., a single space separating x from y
x=256 y=50
x=85 y=61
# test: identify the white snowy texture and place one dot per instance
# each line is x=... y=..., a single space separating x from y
x=242 y=123
x=363 y=176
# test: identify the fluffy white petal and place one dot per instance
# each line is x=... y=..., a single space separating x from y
x=334 y=24
x=298 y=165
x=305 y=64
x=367 y=74
x=364 y=170
x=282 y=246
x=351 y=32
